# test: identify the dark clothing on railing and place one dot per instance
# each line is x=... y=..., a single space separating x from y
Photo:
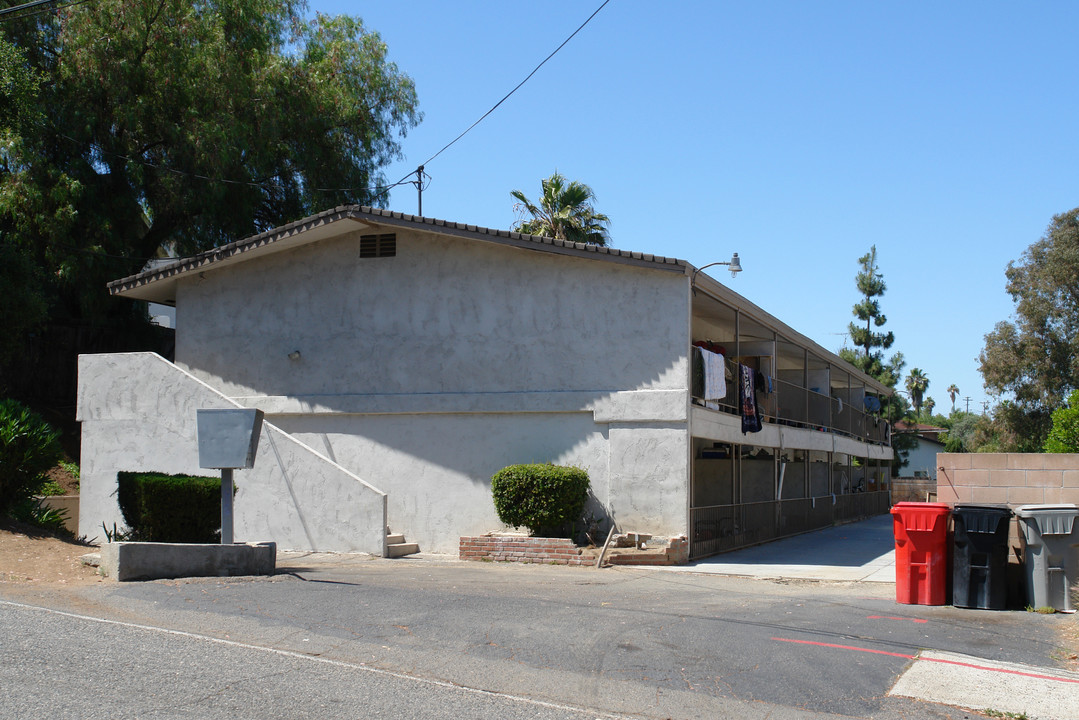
x=747 y=399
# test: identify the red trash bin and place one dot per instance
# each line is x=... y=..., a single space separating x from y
x=921 y=552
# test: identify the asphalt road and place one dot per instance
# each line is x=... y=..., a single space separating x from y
x=416 y=639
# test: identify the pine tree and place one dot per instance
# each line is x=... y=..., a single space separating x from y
x=871 y=285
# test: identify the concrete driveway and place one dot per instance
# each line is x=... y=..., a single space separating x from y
x=858 y=552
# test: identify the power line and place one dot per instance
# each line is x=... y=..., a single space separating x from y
x=34 y=4
x=381 y=189
x=506 y=97
x=534 y=71
x=25 y=6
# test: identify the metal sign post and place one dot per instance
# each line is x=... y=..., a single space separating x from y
x=226 y=506
x=228 y=440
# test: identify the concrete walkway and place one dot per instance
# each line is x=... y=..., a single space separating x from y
x=856 y=552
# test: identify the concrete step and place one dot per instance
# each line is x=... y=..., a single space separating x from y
x=401 y=549
x=395 y=538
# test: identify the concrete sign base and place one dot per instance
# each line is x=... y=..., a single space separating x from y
x=153 y=561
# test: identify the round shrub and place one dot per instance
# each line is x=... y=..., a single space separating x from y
x=539 y=496
x=29 y=446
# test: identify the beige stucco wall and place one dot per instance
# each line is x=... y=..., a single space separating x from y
x=1008 y=478
x=427 y=372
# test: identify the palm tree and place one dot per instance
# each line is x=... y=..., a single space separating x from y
x=565 y=212
x=953 y=393
x=929 y=404
x=917 y=383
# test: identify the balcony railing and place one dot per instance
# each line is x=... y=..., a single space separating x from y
x=790 y=404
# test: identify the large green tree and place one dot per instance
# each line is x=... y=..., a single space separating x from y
x=22 y=302
x=564 y=211
x=181 y=124
x=1034 y=357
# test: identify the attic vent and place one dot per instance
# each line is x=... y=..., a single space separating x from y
x=373 y=246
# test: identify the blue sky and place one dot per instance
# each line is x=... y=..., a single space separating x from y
x=797 y=134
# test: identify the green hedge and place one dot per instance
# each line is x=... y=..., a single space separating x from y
x=29 y=446
x=539 y=496
x=170 y=508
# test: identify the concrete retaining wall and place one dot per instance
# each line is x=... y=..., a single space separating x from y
x=68 y=504
x=152 y=561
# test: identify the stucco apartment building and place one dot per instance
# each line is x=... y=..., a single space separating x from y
x=401 y=361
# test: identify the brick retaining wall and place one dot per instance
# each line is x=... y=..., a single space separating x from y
x=558 y=551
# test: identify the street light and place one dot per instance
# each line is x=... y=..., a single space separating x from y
x=733 y=264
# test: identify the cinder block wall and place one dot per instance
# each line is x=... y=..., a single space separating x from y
x=1008 y=478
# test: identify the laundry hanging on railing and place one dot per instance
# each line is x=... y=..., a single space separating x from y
x=715 y=381
x=763 y=382
x=747 y=399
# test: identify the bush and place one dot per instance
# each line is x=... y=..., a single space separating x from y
x=50 y=487
x=28 y=448
x=170 y=508
x=539 y=496
x=1064 y=435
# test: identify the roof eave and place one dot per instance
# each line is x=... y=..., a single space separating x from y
x=159 y=284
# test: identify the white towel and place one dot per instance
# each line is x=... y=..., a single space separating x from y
x=715 y=383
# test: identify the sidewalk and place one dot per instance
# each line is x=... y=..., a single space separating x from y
x=856 y=552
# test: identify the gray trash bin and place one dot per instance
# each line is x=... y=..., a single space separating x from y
x=1050 y=535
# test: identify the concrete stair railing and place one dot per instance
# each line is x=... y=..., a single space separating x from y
x=138 y=413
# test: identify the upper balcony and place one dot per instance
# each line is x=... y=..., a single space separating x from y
x=805 y=386
x=793 y=404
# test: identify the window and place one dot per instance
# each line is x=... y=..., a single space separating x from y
x=375 y=246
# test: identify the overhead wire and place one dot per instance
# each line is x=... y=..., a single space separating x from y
x=36 y=3
x=379 y=190
x=506 y=97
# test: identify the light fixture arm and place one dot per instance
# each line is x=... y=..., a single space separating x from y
x=733 y=263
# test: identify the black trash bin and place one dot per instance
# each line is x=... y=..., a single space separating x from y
x=980 y=556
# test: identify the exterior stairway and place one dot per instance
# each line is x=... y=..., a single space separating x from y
x=396 y=545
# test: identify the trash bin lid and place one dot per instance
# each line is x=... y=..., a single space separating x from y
x=921 y=516
x=1050 y=519
x=937 y=507
x=982 y=518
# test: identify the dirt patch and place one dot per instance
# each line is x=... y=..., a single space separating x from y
x=31 y=556
x=1070 y=641
x=64 y=478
